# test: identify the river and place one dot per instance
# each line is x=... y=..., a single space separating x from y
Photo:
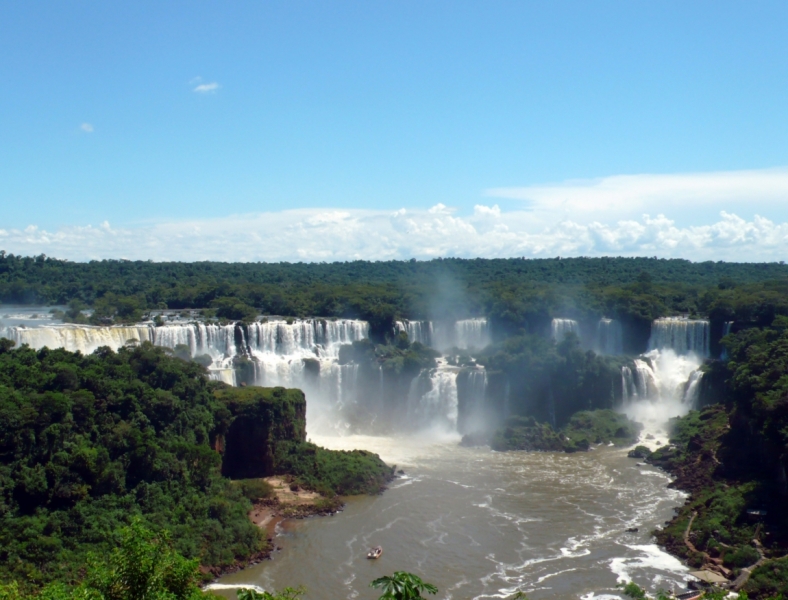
x=484 y=524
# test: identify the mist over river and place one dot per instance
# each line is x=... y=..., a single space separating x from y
x=483 y=524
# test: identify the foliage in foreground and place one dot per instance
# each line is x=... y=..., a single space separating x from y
x=144 y=566
x=403 y=586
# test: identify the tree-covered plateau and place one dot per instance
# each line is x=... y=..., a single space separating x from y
x=88 y=443
x=515 y=294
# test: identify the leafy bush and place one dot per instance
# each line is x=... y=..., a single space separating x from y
x=255 y=489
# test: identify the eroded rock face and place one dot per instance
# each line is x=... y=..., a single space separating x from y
x=258 y=419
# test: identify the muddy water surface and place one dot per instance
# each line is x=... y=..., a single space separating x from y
x=482 y=524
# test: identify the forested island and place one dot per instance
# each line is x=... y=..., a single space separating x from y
x=88 y=441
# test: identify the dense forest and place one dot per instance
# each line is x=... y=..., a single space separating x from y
x=514 y=294
x=89 y=442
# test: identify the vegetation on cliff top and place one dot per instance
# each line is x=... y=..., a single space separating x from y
x=88 y=443
x=555 y=381
x=584 y=428
x=515 y=294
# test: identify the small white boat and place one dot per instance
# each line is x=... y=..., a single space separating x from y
x=375 y=552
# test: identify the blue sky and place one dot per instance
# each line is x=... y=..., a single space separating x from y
x=337 y=130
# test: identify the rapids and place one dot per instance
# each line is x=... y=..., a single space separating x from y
x=483 y=524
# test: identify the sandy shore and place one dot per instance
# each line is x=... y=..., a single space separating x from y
x=288 y=503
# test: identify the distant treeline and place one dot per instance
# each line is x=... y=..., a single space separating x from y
x=515 y=294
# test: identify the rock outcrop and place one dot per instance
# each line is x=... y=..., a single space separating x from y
x=256 y=421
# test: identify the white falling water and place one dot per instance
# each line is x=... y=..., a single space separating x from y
x=465 y=334
x=472 y=333
x=560 y=328
x=662 y=385
x=77 y=337
x=609 y=337
x=682 y=335
x=301 y=353
x=475 y=413
x=438 y=406
x=726 y=330
x=418 y=331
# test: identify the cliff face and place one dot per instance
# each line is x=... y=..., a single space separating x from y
x=256 y=421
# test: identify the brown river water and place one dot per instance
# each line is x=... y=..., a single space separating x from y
x=483 y=524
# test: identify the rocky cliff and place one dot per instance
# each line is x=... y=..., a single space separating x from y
x=255 y=421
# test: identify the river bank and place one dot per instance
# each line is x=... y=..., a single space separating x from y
x=731 y=524
x=287 y=501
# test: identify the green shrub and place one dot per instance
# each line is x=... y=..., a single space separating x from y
x=255 y=489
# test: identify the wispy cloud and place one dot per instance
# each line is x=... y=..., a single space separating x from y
x=206 y=88
x=86 y=127
x=624 y=196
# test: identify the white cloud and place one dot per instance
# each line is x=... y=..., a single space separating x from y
x=86 y=127
x=616 y=216
x=206 y=88
x=624 y=196
x=480 y=210
x=328 y=235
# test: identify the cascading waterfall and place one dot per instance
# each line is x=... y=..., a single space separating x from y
x=560 y=328
x=418 y=331
x=692 y=389
x=472 y=398
x=472 y=333
x=726 y=330
x=438 y=405
x=682 y=335
x=464 y=334
x=662 y=386
x=300 y=353
x=609 y=337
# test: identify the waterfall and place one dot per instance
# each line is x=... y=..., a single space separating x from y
x=472 y=396
x=609 y=337
x=78 y=338
x=659 y=385
x=692 y=390
x=300 y=353
x=561 y=327
x=682 y=335
x=726 y=329
x=465 y=334
x=418 y=331
x=471 y=333
x=437 y=406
